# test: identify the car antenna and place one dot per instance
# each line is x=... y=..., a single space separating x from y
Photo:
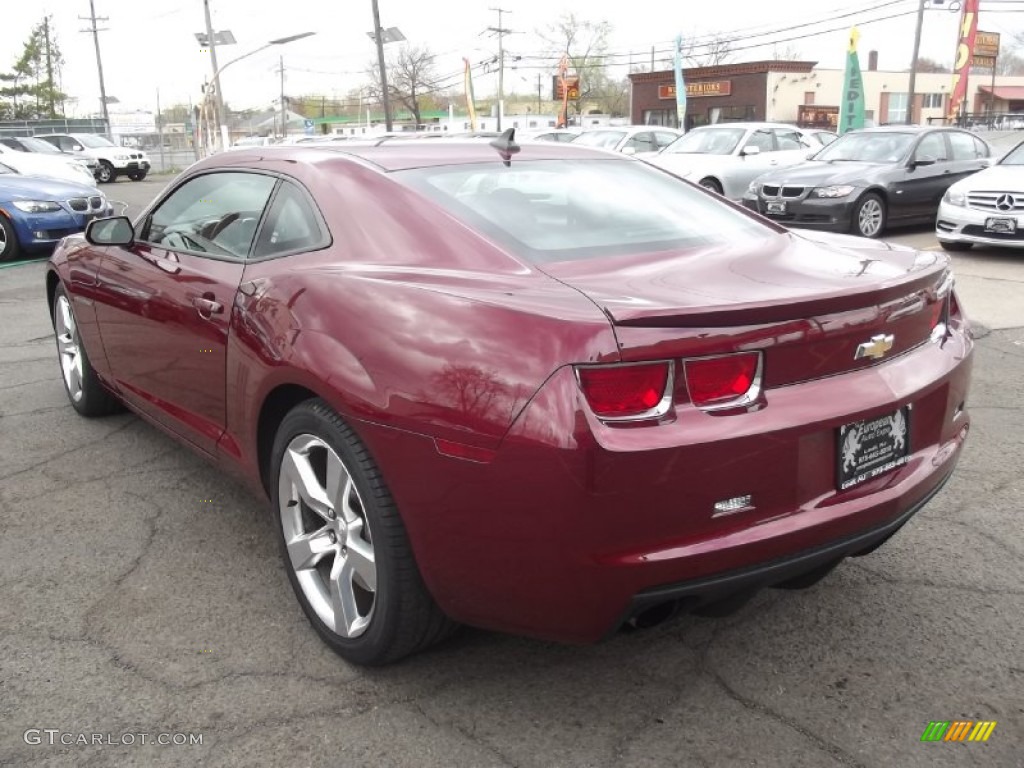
x=506 y=145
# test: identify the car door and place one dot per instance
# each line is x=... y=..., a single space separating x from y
x=640 y=144
x=790 y=147
x=968 y=153
x=748 y=167
x=921 y=187
x=165 y=302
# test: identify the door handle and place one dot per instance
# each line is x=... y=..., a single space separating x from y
x=207 y=306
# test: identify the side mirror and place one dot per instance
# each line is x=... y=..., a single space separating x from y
x=629 y=150
x=922 y=160
x=116 y=230
x=751 y=150
x=78 y=148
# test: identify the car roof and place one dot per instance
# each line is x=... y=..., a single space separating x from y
x=414 y=153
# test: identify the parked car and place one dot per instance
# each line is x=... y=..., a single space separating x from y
x=38 y=164
x=470 y=402
x=548 y=134
x=870 y=179
x=985 y=208
x=32 y=144
x=36 y=212
x=726 y=157
x=642 y=140
x=113 y=160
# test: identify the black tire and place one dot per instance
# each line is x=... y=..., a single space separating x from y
x=951 y=246
x=870 y=208
x=106 y=174
x=10 y=246
x=404 y=618
x=93 y=399
x=711 y=184
x=136 y=175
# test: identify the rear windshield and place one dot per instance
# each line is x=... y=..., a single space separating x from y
x=559 y=210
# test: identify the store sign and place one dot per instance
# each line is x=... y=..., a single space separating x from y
x=698 y=89
x=572 y=85
x=986 y=50
x=132 y=122
x=817 y=116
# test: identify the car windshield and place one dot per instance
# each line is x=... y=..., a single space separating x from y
x=605 y=139
x=1015 y=156
x=868 y=147
x=561 y=210
x=707 y=141
x=96 y=142
x=38 y=145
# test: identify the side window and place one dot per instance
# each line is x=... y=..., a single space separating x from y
x=981 y=148
x=826 y=138
x=66 y=143
x=216 y=213
x=642 y=142
x=664 y=139
x=963 y=145
x=787 y=140
x=932 y=146
x=291 y=225
x=762 y=140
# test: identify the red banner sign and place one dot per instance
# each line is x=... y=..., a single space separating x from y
x=964 y=53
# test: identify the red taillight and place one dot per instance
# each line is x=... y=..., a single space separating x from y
x=624 y=391
x=936 y=312
x=717 y=380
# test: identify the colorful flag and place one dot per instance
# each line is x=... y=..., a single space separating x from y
x=851 y=109
x=470 y=99
x=964 y=55
x=680 y=85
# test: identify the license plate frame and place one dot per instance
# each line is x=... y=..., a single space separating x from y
x=1001 y=225
x=871 y=447
x=775 y=207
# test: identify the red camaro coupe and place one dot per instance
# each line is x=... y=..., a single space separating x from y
x=540 y=389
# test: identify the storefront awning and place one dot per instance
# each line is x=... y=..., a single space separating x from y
x=1005 y=92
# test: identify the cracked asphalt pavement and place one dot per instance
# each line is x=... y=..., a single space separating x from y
x=142 y=593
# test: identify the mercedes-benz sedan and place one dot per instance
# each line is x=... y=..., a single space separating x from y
x=986 y=208
x=539 y=389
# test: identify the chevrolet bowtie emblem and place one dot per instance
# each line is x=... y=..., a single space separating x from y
x=876 y=348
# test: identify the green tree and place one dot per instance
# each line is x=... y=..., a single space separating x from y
x=31 y=89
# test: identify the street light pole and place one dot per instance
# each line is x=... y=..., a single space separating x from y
x=913 y=63
x=379 y=37
x=221 y=118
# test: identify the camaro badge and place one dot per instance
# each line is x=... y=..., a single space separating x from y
x=877 y=348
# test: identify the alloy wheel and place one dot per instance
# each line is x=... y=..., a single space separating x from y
x=70 y=348
x=869 y=217
x=327 y=535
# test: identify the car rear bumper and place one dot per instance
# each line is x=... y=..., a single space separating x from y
x=573 y=526
x=828 y=214
x=957 y=224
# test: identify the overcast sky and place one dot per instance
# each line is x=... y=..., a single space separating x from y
x=150 y=44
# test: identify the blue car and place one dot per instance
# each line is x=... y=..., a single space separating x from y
x=36 y=212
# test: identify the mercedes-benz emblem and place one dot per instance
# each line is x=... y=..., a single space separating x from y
x=1006 y=203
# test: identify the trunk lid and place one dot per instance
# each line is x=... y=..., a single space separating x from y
x=806 y=300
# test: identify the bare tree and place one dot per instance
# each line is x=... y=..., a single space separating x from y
x=931 y=65
x=613 y=97
x=789 y=52
x=708 y=51
x=411 y=76
x=583 y=43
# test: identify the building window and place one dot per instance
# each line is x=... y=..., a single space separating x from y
x=932 y=101
x=665 y=117
x=897 y=109
x=809 y=97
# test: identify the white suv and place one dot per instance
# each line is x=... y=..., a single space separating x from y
x=114 y=160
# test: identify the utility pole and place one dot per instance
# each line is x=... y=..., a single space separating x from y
x=539 y=86
x=284 y=108
x=500 y=31
x=93 y=18
x=49 y=66
x=160 y=130
x=218 y=97
x=913 y=64
x=384 y=98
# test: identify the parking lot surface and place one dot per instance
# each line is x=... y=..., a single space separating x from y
x=143 y=593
